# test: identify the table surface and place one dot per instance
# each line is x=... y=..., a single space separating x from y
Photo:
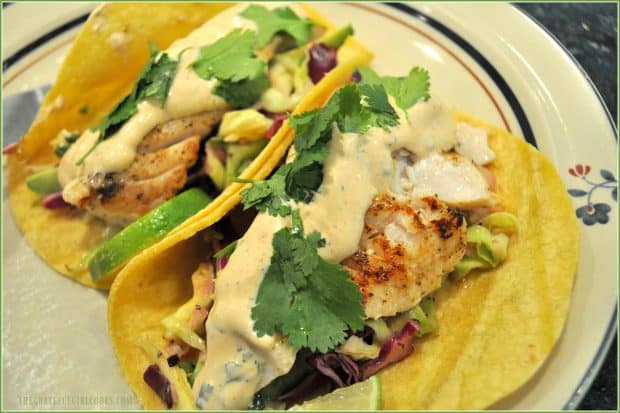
x=590 y=33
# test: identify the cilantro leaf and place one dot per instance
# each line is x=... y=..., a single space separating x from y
x=406 y=91
x=311 y=324
x=244 y=93
x=298 y=180
x=230 y=58
x=121 y=113
x=157 y=81
x=377 y=100
x=354 y=108
x=305 y=175
x=315 y=126
x=369 y=76
x=268 y=196
x=271 y=22
x=410 y=90
x=272 y=301
x=323 y=312
x=154 y=82
x=353 y=116
x=310 y=301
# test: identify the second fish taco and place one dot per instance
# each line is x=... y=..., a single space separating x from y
x=398 y=242
x=138 y=141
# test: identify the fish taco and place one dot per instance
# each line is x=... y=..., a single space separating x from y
x=157 y=110
x=399 y=241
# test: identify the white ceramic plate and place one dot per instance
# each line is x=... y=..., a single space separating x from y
x=486 y=59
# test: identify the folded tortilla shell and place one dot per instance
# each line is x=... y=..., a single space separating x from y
x=496 y=327
x=90 y=76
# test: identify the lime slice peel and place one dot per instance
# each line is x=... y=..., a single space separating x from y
x=365 y=395
x=145 y=232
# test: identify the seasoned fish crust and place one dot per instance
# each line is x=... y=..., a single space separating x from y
x=157 y=173
x=406 y=248
x=176 y=130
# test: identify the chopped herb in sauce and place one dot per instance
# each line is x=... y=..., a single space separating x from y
x=64 y=145
x=205 y=392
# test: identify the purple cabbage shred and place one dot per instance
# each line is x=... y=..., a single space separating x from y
x=323 y=58
x=159 y=383
x=173 y=360
x=54 y=201
x=399 y=346
x=342 y=369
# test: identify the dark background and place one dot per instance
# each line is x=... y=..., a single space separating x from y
x=590 y=33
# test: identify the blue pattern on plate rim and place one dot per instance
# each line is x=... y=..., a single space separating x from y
x=592 y=213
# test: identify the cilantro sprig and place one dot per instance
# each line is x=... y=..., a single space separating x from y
x=244 y=93
x=231 y=60
x=312 y=302
x=271 y=22
x=354 y=108
x=154 y=82
x=308 y=300
x=406 y=91
x=242 y=75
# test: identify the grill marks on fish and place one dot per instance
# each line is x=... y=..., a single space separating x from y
x=136 y=198
x=157 y=173
x=177 y=130
x=151 y=164
x=406 y=248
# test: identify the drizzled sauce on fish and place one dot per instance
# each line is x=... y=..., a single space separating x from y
x=188 y=95
x=358 y=168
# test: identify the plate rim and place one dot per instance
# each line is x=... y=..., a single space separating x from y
x=611 y=331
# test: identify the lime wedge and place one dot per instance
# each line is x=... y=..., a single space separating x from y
x=365 y=395
x=145 y=232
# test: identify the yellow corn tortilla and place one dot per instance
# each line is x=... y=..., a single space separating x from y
x=90 y=77
x=496 y=327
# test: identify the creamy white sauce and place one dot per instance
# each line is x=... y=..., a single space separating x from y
x=239 y=362
x=473 y=143
x=358 y=167
x=188 y=95
x=431 y=128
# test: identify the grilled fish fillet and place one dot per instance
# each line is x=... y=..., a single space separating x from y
x=407 y=246
x=157 y=173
